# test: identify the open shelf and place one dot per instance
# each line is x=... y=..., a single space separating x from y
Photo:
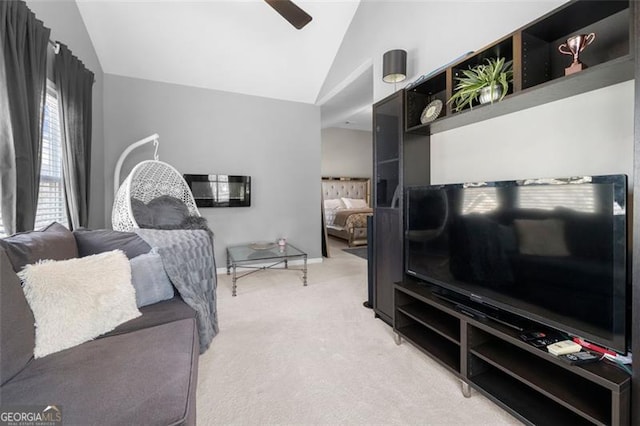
x=603 y=373
x=431 y=343
x=416 y=290
x=417 y=98
x=565 y=388
x=441 y=323
x=503 y=48
x=523 y=402
x=541 y=60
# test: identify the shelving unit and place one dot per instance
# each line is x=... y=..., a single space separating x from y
x=538 y=65
x=533 y=385
x=593 y=78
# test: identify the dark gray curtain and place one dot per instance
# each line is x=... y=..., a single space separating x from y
x=23 y=40
x=74 y=84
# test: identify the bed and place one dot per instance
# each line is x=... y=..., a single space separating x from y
x=346 y=207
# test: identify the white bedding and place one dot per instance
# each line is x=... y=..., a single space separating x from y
x=331 y=207
x=330 y=216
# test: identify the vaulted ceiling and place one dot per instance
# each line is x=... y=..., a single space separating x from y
x=240 y=46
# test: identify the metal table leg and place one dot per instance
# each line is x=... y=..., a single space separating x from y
x=304 y=271
x=233 y=280
x=228 y=263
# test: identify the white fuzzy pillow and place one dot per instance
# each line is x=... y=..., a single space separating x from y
x=76 y=300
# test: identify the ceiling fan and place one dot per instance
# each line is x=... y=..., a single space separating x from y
x=291 y=12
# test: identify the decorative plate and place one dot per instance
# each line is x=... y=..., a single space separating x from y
x=262 y=245
x=431 y=112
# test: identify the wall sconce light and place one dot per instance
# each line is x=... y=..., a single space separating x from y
x=394 y=66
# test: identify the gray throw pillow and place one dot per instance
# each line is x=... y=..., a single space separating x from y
x=141 y=213
x=101 y=240
x=167 y=210
x=150 y=279
x=51 y=242
x=17 y=332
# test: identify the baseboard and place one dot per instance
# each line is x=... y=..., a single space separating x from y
x=223 y=271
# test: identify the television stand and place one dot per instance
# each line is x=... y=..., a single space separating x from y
x=489 y=356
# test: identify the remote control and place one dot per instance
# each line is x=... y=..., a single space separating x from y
x=564 y=347
x=578 y=358
x=542 y=339
x=532 y=335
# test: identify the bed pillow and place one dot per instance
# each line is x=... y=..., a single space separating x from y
x=51 y=242
x=77 y=300
x=355 y=203
x=101 y=240
x=150 y=279
x=333 y=204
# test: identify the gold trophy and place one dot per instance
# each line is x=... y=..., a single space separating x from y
x=573 y=47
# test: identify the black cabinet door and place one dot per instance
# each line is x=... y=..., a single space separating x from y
x=387 y=260
x=387 y=193
x=387 y=119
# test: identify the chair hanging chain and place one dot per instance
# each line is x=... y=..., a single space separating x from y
x=156 y=143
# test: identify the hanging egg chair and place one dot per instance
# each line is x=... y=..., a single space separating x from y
x=148 y=181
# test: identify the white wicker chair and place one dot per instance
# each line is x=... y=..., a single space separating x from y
x=148 y=180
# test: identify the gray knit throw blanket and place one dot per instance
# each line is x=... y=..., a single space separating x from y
x=187 y=256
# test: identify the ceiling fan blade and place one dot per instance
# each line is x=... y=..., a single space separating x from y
x=292 y=13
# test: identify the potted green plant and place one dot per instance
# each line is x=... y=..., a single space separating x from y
x=486 y=82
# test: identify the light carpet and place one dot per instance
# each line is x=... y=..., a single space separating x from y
x=288 y=354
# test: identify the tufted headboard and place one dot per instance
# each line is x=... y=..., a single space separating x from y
x=345 y=187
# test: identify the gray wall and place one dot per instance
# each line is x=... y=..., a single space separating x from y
x=346 y=153
x=588 y=134
x=67 y=26
x=205 y=131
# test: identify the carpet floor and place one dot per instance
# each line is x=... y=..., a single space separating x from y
x=288 y=354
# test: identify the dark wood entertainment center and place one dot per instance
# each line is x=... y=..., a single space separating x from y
x=533 y=385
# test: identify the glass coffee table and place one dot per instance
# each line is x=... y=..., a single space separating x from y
x=243 y=256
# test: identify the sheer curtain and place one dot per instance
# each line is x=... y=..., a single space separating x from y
x=23 y=74
x=74 y=85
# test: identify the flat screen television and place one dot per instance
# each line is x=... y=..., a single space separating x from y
x=553 y=251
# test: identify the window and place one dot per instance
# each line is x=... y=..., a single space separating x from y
x=480 y=200
x=51 y=200
x=580 y=198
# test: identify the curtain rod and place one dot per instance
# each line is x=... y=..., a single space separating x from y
x=56 y=50
x=56 y=46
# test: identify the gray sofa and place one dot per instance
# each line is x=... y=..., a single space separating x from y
x=143 y=372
